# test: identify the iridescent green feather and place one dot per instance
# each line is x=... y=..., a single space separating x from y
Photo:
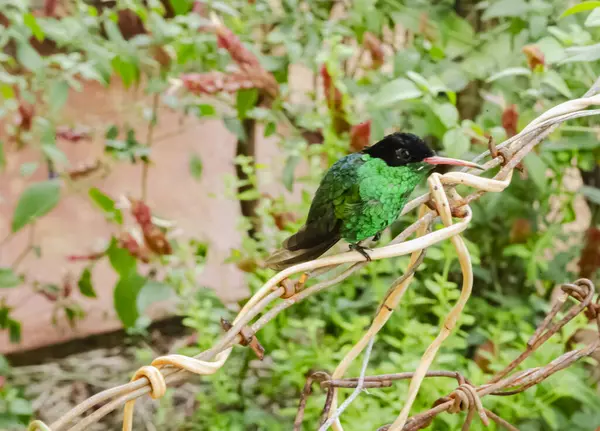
x=378 y=199
x=362 y=196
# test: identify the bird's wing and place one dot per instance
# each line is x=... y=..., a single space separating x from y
x=323 y=224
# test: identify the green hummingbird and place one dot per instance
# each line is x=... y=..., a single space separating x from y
x=361 y=195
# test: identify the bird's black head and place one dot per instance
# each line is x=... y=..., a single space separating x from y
x=400 y=149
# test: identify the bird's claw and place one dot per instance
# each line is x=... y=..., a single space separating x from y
x=362 y=250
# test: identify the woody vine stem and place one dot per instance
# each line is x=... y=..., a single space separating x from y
x=442 y=202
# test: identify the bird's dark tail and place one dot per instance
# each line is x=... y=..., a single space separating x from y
x=302 y=247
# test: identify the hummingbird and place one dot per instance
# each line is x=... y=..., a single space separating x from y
x=360 y=196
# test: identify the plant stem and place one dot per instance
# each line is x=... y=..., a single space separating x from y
x=469 y=100
x=247 y=147
x=242 y=379
x=151 y=126
x=27 y=249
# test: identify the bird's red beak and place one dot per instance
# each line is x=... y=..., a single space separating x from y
x=436 y=160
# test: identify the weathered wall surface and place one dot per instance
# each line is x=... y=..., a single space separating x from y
x=75 y=226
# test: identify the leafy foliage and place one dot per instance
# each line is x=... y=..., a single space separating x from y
x=456 y=73
x=36 y=201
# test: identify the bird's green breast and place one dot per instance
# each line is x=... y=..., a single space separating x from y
x=377 y=198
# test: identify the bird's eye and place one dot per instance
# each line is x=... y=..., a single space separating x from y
x=402 y=154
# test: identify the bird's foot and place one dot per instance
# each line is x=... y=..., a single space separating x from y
x=362 y=250
x=377 y=237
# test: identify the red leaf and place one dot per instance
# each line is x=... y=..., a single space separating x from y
x=483 y=354
x=335 y=102
x=228 y=40
x=142 y=214
x=332 y=94
x=534 y=55
x=85 y=257
x=200 y=9
x=520 y=231
x=360 y=135
x=215 y=82
x=250 y=75
x=510 y=118
x=129 y=243
x=156 y=240
x=282 y=219
x=375 y=47
x=589 y=261
x=73 y=134
x=50 y=7
x=312 y=136
x=161 y=55
x=67 y=287
x=154 y=237
x=25 y=116
x=84 y=170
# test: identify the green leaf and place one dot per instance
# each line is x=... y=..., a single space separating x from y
x=420 y=80
x=6 y=91
x=593 y=19
x=120 y=259
x=248 y=195
x=512 y=71
x=112 y=132
x=36 y=201
x=20 y=407
x=517 y=250
x=395 y=91
x=8 y=278
x=73 y=312
x=153 y=291
x=196 y=167
x=126 y=69
x=234 y=125
x=113 y=32
x=225 y=8
x=29 y=57
x=85 y=283
x=14 y=330
x=554 y=80
x=270 y=128
x=206 y=110
x=288 y=172
x=59 y=93
x=245 y=100
x=30 y=21
x=588 y=54
x=591 y=193
x=581 y=142
x=106 y=204
x=28 y=169
x=581 y=7
x=456 y=142
x=125 y=297
x=54 y=154
x=180 y=7
x=506 y=8
x=536 y=169
x=405 y=60
x=447 y=113
x=552 y=49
